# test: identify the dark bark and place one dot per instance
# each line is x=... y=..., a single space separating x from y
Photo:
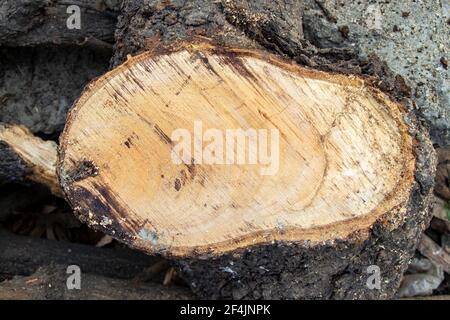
x=49 y=283
x=38 y=85
x=20 y=255
x=276 y=26
x=16 y=190
x=12 y=168
x=332 y=270
x=143 y=24
x=37 y=22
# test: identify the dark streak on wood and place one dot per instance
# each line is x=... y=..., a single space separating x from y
x=114 y=206
x=129 y=142
x=204 y=60
x=231 y=59
x=177 y=184
x=83 y=170
x=164 y=137
x=99 y=209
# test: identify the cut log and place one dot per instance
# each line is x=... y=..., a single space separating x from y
x=334 y=153
x=263 y=178
x=27 y=157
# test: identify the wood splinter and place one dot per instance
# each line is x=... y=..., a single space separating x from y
x=28 y=157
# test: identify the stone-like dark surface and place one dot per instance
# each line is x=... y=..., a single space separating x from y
x=411 y=37
x=38 y=85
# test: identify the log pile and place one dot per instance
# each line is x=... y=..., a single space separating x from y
x=256 y=163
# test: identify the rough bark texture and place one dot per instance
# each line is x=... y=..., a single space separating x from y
x=12 y=168
x=38 y=85
x=37 y=22
x=49 y=283
x=291 y=270
x=273 y=25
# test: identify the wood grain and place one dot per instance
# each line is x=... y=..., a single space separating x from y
x=345 y=153
x=38 y=156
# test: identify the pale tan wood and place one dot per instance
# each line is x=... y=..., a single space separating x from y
x=39 y=156
x=345 y=154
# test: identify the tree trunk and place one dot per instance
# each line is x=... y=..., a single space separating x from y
x=349 y=195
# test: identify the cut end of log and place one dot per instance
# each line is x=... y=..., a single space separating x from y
x=207 y=150
x=37 y=156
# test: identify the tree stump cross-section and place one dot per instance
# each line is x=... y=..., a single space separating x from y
x=203 y=151
x=344 y=154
